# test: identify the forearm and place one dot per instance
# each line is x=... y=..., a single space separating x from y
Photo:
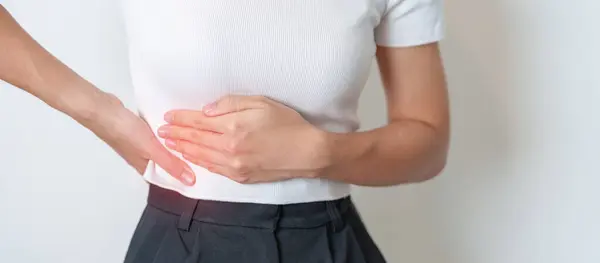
x=27 y=65
x=402 y=152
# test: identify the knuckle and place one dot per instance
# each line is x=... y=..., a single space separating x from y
x=237 y=164
x=234 y=146
x=234 y=127
x=240 y=166
x=242 y=179
x=196 y=122
x=231 y=127
x=194 y=135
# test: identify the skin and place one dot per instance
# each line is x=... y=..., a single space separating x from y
x=254 y=139
x=27 y=65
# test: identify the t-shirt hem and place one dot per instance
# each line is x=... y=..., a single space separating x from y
x=271 y=200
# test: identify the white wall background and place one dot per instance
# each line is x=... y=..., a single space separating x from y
x=520 y=186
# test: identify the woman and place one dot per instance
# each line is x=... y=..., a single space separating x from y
x=256 y=101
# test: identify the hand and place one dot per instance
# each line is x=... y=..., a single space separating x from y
x=131 y=138
x=249 y=139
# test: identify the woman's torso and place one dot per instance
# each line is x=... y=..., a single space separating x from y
x=312 y=55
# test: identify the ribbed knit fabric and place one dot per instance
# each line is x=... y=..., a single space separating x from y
x=312 y=55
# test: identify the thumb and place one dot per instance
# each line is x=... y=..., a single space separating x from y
x=171 y=164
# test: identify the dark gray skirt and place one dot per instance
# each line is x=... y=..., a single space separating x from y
x=177 y=229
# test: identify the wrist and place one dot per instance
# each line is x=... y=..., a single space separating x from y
x=339 y=151
x=90 y=106
x=321 y=152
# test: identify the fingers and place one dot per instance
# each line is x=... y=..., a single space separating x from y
x=233 y=175
x=203 y=138
x=187 y=118
x=197 y=120
x=204 y=120
x=197 y=154
x=237 y=168
x=234 y=103
x=171 y=164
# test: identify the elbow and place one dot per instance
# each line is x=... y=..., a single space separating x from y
x=437 y=162
x=433 y=168
x=433 y=171
x=402 y=176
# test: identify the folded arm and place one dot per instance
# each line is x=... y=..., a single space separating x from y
x=414 y=144
x=253 y=139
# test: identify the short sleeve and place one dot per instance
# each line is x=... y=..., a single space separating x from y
x=410 y=23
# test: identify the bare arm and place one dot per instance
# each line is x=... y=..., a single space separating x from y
x=27 y=65
x=413 y=146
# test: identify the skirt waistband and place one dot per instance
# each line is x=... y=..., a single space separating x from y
x=268 y=216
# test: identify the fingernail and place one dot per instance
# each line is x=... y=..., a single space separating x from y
x=209 y=108
x=169 y=117
x=171 y=143
x=163 y=131
x=188 y=177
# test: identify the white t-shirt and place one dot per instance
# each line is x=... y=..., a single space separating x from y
x=312 y=55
